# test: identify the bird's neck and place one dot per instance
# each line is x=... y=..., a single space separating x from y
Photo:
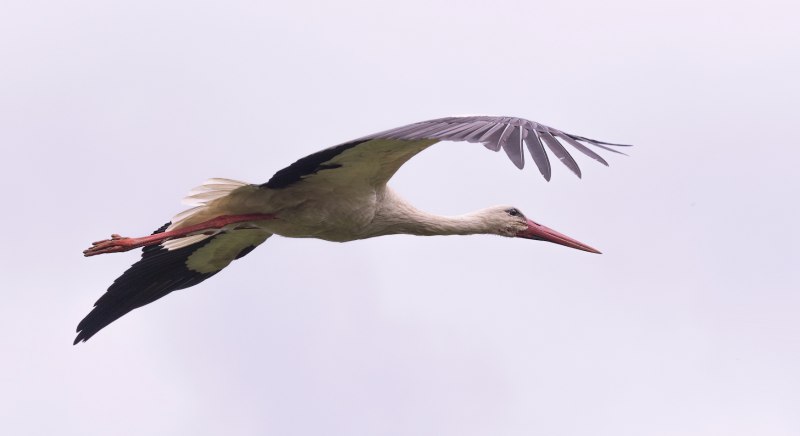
x=399 y=217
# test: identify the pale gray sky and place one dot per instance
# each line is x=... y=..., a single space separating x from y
x=687 y=325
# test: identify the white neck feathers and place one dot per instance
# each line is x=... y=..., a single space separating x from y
x=396 y=216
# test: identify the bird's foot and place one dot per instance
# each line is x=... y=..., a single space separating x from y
x=116 y=244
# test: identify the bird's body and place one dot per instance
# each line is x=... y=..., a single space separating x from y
x=365 y=214
x=337 y=194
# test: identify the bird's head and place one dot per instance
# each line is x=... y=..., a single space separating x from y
x=509 y=221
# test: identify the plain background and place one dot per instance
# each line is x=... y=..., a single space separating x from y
x=687 y=325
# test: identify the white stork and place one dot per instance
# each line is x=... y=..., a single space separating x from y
x=336 y=194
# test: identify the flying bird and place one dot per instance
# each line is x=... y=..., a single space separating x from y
x=336 y=194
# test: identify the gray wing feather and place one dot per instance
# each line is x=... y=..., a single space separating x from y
x=428 y=132
x=580 y=147
x=491 y=136
x=492 y=141
x=538 y=154
x=457 y=132
x=512 y=145
x=507 y=133
x=478 y=132
x=561 y=153
x=609 y=148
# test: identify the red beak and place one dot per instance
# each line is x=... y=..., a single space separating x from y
x=542 y=233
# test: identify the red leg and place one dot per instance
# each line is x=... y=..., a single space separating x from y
x=119 y=243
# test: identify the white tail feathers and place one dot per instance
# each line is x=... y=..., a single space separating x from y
x=199 y=198
x=185 y=214
x=210 y=190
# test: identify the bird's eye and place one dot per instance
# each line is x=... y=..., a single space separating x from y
x=514 y=212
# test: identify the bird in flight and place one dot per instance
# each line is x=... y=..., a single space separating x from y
x=336 y=194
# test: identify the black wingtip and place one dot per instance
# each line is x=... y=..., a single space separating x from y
x=81 y=337
x=84 y=333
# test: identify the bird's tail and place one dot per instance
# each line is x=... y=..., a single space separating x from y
x=201 y=198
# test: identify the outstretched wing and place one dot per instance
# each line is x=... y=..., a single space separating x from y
x=375 y=158
x=176 y=264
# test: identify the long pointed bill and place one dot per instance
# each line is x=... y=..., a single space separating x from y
x=542 y=233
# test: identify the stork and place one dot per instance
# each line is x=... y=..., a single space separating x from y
x=336 y=194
